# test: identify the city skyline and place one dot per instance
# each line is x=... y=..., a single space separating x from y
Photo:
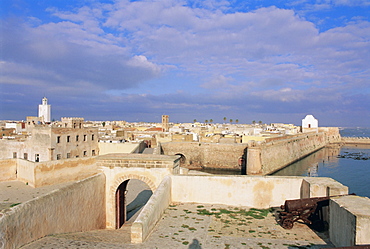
x=274 y=61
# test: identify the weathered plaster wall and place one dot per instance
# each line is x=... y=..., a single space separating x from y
x=26 y=172
x=54 y=172
x=47 y=173
x=152 y=212
x=77 y=207
x=207 y=155
x=252 y=191
x=349 y=221
x=8 y=169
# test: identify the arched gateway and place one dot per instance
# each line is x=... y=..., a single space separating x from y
x=119 y=168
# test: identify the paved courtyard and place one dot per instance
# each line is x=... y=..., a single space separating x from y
x=199 y=226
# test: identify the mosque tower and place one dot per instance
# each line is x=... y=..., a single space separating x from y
x=45 y=110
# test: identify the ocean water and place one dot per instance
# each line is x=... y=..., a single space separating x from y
x=349 y=165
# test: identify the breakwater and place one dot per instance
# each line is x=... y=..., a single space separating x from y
x=356 y=140
x=274 y=154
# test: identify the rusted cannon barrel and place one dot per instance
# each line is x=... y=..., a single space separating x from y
x=298 y=204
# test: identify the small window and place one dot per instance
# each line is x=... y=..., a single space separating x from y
x=14 y=154
x=68 y=155
x=25 y=156
x=92 y=137
x=58 y=139
x=59 y=156
x=85 y=137
x=37 y=157
x=85 y=153
x=68 y=139
x=77 y=156
x=77 y=138
x=93 y=152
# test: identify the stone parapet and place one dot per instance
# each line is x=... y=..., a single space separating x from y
x=349 y=221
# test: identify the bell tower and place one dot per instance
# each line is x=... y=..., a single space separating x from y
x=45 y=110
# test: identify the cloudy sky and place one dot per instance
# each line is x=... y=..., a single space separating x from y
x=274 y=61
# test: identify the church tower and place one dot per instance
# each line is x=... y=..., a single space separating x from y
x=45 y=110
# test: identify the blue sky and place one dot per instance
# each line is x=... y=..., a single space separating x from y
x=274 y=61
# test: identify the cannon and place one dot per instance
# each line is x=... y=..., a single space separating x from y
x=309 y=210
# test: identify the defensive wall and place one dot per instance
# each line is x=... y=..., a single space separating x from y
x=74 y=208
x=47 y=173
x=206 y=155
x=356 y=140
x=266 y=157
x=260 y=158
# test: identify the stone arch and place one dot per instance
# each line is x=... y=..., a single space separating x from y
x=182 y=158
x=117 y=183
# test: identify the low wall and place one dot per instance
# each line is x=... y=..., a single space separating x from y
x=356 y=140
x=152 y=212
x=274 y=154
x=59 y=171
x=8 y=170
x=60 y=211
x=251 y=191
x=349 y=221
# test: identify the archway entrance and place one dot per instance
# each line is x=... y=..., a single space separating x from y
x=131 y=197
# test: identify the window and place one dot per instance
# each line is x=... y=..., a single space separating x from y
x=93 y=152
x=92 y=137
x=25 y=156
x=14 y=154
x=68 y=155
x=85 y=153
x=37 y=157
x=58 y=139
x=77 y=138
x=85 y=137
x=68 y=139
x=59 y=156
x=77 y=156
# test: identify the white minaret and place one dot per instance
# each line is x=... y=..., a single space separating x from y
x=45 y=110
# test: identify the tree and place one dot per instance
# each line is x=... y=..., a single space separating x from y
x=195 y=120
x=103 y=124
x=211 y=120
x=206 y=121
x=254 y=122
x=260 y=122
x=231 y=120
x=237 y=120
x=225 y=119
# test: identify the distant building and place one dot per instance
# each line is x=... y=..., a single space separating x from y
x=165 y=123
x=45 y=111
x=49 y=142
x=310 y=124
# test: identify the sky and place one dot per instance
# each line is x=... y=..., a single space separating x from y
x=252 y=60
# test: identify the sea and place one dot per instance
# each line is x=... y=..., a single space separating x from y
x=350 y=165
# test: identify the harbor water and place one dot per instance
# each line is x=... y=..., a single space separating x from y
x=349 y=165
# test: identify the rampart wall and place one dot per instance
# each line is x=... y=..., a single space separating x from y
x=76 y=207
x=267 y=157
x=356 y=140
x=206 y=155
